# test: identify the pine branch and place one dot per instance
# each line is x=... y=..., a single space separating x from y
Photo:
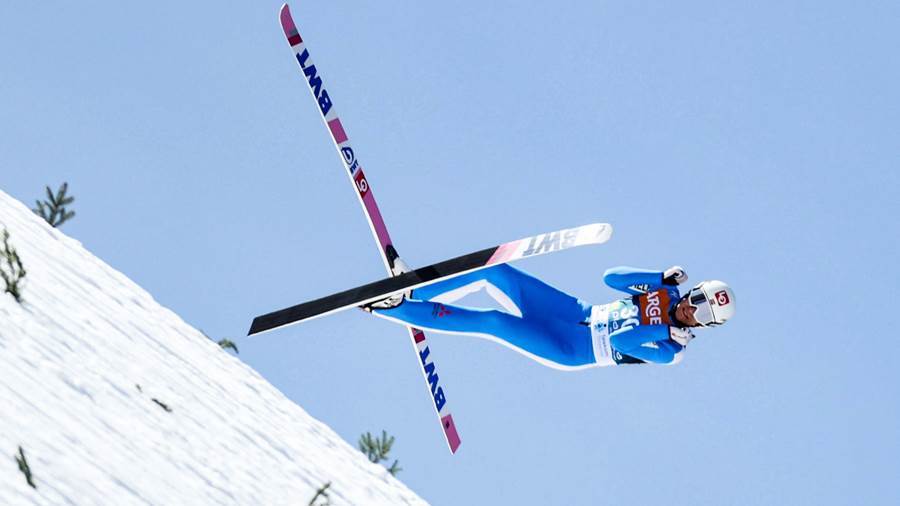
x=223 y=343
x=162 y=405
x=377 y=449
x=13 y=271
x=321 y=492
x=24 y=467
x=53 y=210
x=368 y=446
x=61 y=198
x=227 y=343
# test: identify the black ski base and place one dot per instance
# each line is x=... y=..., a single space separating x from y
x=361 y=295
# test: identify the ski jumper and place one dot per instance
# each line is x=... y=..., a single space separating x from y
x=551 y=326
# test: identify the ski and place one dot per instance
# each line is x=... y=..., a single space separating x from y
x=373 y=214
x=596 y=233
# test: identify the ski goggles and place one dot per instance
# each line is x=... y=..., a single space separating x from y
x=703 y=312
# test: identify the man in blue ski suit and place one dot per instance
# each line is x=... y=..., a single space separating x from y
x=560 y=331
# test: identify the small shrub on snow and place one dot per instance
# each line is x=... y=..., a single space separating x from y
x=377 y=449
x=227 y=343
x=11 y=269
x=53 y=210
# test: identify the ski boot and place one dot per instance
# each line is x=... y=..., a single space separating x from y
x=398 y=267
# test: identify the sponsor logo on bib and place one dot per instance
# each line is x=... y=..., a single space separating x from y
x=655 y=308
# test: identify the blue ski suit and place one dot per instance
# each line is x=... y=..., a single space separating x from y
x=551 y=326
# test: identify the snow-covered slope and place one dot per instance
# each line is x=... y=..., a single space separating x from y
x=82 y=360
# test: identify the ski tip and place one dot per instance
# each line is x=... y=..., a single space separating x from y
x=289 y=28
x=595 y=233
x=605 y=230
x=287 y=22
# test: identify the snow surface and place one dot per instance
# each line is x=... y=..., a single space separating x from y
x=83 y=357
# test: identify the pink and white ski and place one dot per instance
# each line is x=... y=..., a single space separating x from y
x=373 y=215
x=595 y=233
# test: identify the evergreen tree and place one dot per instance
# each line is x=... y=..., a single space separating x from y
x=53 y=210
x=377 y=449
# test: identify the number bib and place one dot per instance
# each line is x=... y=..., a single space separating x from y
x=650 y=308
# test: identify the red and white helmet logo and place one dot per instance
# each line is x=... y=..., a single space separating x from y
x=722 y=298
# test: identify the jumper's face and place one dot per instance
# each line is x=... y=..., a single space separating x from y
x=684 y=311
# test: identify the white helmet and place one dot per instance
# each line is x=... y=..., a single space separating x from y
x=713 y=302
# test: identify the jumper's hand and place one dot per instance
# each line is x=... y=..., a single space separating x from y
x=674 y=275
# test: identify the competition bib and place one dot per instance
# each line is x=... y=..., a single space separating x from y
x=603 y=352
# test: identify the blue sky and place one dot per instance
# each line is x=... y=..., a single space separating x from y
x=752 y=142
